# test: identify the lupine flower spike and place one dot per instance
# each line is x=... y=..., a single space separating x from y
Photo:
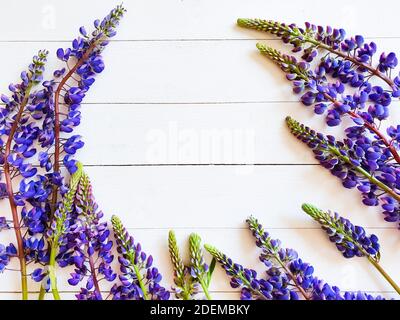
x=60 y=228
x=139 y=279
x=348 y=58
x=89 y=245
x=252 y=287
x=64 y=95
x=287 y=276
x=186 y=286
x=187 y=279
x=350 y=162
x=198 y=268
x=329 y=98
x=350 y=240
x=374 y=153
x=19 y=135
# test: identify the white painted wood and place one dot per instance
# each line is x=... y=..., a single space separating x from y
x=188 y=19
x=254 y=133
x=184 y=85
x=175 y=72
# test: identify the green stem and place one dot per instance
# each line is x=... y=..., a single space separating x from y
x=52 y=271
x=42 y=293
x=205 y=289
x=24 y=282
x=384 y=274
x=140 y=280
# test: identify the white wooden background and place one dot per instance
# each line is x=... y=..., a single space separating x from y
x=185 y=107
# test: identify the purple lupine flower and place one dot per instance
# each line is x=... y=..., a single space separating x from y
x=19 y=132
x=57 y=106
x=139 y=280
x=359 y=164
x=5 y=254
x=287 y=276
x=29 y=126
x=85 y=57
x=349 y=59
x=282 y=262
x=89 y=245
x=4 y=224
x=57 y=234
x=330 y=97
x=367 y=106
x=252 y=287
x=349 y=239
x=3 y=191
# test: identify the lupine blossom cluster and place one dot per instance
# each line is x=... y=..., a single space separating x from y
x=348 y=161
x=20 y=139
x=350 y=240
x=341 y=85
x=188 y=279
x=287 y=277
x=139 y=279
x=36 y=122
x=350 y=59
x=89 y=246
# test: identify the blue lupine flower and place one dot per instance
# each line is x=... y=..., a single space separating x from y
x=139 y=280
x=252 y=287
x=350 y=240
x=4 y=224
x=89 y=245
x=6 y=253
x=349 y=61
x=287 y=276
x=360 y=163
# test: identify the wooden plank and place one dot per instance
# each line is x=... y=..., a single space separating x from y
x=174 y=72
x=198 y=134
x=189 y=19
x=223 y=196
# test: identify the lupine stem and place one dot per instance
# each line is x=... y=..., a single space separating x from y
x=10 y=192
x=384 y=274
x=42 y=293
x=140 y=280
x=205 y=289
x=94 y=276
x=52 y=273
